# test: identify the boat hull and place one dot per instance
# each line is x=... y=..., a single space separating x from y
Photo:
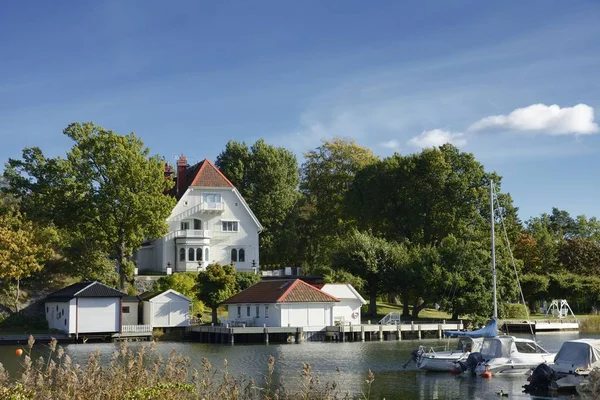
x=438 y=364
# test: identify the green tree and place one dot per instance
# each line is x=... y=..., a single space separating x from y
x=326 y=177
x=425 y=197
x=267 y=177
x=581 y=256
x=215 y=285
x=535 y=289
x=24 y=249
x=108 y=194
x=243 y=280
x=368 y=258
x=184 y=283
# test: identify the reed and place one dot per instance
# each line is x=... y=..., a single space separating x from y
x=590 y=323
x=144 y=375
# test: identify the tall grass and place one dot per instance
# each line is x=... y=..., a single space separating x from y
x=144 y=375
x=590 y=323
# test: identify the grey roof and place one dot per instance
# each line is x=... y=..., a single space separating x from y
x=84 y=289
x=131 y=298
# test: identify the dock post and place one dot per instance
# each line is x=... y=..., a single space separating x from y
x=412 y=328
x=398 y=333
x=343 y=333
x=266 y=335
x=419 y=331
x=380 y=333
x=231 y=337
x=362 y=333
x=351 y=337
x=439 y=331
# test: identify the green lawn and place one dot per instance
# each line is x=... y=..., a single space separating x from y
x=384 y=308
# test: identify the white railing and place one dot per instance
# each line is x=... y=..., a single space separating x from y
x=216 y=206
x=136 y=328
x=392 y=318
x=193 y=233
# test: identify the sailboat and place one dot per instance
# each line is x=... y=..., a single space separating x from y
x=502 y=354
x=468 y=342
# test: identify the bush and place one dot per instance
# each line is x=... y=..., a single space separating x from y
x=515 y=311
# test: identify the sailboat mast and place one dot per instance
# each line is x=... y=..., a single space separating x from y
x=493 y=248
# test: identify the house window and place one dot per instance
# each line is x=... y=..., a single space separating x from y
x=182 y=254
x=206 y=257
x=233 y=255
x=242 y=255
x=65 y=322
x=248 y=311
x=197 y=224
x=191 y=253
x=239 y=312
x=257 y=311
x=185 y=225
x=125 y=309
x=266 y=311
x=229 y=226
x=212 y=199
x=199 y=254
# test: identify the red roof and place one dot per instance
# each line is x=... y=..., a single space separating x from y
x=202 y=174
x=209 y=176
x=281 y=291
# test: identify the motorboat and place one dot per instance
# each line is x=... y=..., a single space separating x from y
x=572 y=366
x=443 y=361
x=468 y=342
x=505 y=355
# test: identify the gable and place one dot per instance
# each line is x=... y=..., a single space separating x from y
x=209 y=176
x=343 y=291
x=281 y=291
x=164 y=297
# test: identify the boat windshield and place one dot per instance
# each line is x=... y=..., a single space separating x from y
x=464 y=344
x=528 y=347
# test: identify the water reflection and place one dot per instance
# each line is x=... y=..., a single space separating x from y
x=353 y=360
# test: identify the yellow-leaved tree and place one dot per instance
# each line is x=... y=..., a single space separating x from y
x=24 y=249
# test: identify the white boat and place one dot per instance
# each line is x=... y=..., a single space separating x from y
x=468 y=342
x=572 y=366
x=511 y=355
x=443 y=361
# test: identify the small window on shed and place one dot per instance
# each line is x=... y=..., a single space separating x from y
x=65 y=322
x=125 y=309
x=248 y=311
x=239 y=314
x=257 y=311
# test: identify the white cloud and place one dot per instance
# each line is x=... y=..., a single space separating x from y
x=391 y=144
x=552 y=120
x=437 y=137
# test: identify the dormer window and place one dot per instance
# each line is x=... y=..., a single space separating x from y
x=185 y=225
x=197 y=224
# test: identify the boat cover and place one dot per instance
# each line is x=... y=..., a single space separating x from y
x=489 y=330
x=580 y=353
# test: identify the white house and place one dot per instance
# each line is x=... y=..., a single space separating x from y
x=347 y=311
x=85 y=307
x=210 y=223
x=168 y=309
x=285 y=302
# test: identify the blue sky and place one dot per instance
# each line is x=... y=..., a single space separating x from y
x=187 y=76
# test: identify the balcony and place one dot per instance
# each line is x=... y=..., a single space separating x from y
x=193 y=234
x=216 y=207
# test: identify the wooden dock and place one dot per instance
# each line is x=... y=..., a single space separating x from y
x=540 y=326
x=341 y=333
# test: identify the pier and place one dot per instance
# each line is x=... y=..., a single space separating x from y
x=339 y=333
x=540 y=326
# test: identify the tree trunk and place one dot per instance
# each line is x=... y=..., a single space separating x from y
x=373 y=303
x=18 y=295
x=215 y=317
x=455 y=316
x=417 y=309
x=122 y=272
x=405 y=308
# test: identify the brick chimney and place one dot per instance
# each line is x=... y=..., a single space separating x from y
x=182 y=165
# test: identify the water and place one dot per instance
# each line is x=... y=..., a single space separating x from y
x=385 y=359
